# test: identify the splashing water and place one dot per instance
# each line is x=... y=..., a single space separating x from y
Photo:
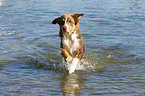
x=84 y=65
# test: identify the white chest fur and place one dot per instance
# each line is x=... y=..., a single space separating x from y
x=71 y=42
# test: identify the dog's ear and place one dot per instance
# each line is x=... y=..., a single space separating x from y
x=57 y=20
x=77 y=17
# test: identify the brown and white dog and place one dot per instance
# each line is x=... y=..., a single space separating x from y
x=72 y=44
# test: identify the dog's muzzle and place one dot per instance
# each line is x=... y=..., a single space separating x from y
x=65 y=28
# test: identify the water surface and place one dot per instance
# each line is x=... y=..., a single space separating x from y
x=30 y=60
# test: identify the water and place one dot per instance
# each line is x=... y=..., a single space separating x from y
x=30 y=60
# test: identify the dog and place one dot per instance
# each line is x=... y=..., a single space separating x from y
x=72 y=45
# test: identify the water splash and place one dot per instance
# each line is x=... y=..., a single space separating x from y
x=84 y=65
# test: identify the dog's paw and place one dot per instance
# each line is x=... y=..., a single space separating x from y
x=69 y=59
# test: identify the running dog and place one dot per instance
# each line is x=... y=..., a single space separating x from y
x=72 y=45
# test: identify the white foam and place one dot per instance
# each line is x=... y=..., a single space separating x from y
x=83 y=65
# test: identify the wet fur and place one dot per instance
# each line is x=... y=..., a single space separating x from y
x=72 y=44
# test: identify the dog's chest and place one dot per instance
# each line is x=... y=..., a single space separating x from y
x=71 y=43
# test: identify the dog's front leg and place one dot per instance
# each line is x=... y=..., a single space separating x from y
x=65 y=54
x=74 y=63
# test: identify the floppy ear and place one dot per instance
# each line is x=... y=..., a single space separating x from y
x=57 y=20
x=77 y=17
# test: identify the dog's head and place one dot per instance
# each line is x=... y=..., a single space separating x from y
x=68 y=22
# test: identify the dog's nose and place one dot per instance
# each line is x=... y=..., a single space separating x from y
x=64 y=28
